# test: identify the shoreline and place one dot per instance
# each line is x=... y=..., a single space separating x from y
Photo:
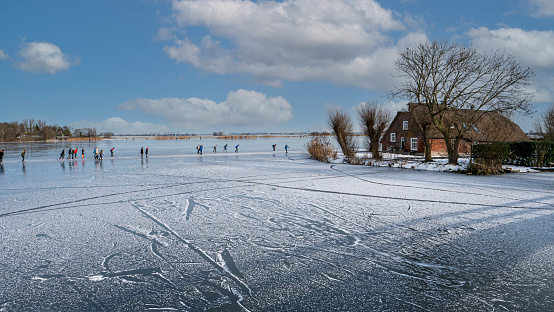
x=168 y=137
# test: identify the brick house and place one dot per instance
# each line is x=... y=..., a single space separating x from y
x=404 y=134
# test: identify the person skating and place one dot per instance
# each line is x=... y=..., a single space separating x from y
x=215 y=149
x=1 y=156
x=23 y=156
x=82 y=153
x=237 y=148
x=62 y=154
x=76 y=153
x=111 y=151
x=197 y=149
x=225 y=147
x=96 y=153
x=146 y=154
x=200 y=149
x=274 y=146
x=101 y=154
x=286 y=149
x=141 y=151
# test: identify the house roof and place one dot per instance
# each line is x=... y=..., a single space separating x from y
x=490 y=126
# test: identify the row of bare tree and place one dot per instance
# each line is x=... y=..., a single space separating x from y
x=373 y=119
x=31 y=130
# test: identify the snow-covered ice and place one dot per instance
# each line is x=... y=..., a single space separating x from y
x=265 y=231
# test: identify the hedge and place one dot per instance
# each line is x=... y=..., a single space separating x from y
x=528 y=154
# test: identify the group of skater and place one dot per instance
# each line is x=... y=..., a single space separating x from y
x=74 y=153
x=99 y=153
x=200 y=148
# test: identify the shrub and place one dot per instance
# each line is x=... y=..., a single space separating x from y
x=529 y=154
x=522 y=153
x=321 y=149
x=491 y=155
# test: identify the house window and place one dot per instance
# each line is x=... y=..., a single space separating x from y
x=404 y=125
x=402 y=143
x=393 y=137
x=413 y=146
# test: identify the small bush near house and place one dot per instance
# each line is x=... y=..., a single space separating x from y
x=321 y=149
x=490 y=156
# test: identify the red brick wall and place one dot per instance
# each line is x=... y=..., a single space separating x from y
x=438 y=147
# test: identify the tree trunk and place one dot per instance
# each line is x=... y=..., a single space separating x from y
x=428 y=157
x=452 y=151
x=374 y=149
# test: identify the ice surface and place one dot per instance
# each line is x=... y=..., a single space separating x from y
x=265 y=231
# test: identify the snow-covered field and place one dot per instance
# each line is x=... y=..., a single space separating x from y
x=264 y=231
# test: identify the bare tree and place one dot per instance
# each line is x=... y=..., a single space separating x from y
x=457 y=84
x=343 y=130
x=374 y=120
x=545 y=124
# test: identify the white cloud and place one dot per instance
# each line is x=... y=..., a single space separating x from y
x=3 y=55
x=242 y=108
x=542 y=8
x=44 y=57
x=118 y=125
x=339 y=41
x=534 y=48
x=165 y=34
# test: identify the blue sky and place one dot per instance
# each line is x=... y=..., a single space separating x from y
x=239 y=66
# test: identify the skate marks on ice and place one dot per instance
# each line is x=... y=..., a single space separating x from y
x=225 y=263
x=456 y=188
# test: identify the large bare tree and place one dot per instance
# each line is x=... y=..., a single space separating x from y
x=341 y=125
x=374 y=120
x=457 y=84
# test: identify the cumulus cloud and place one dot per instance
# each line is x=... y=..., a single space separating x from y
x=44 y=57
x=3 y=55
x=542 y=8
x=535 y=48
x=118 y=125
x=339 y=41
x=241 y=108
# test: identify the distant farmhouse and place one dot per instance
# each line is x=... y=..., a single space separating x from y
x=404 y=134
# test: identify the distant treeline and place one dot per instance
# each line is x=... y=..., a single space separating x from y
x=31 y=130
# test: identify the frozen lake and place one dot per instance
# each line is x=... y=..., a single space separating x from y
x=264 y=231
